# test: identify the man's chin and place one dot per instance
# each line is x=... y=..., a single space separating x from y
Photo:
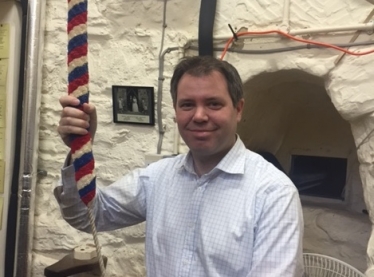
x=201 y=150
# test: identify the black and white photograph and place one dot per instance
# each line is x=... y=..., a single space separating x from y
x=132 y=104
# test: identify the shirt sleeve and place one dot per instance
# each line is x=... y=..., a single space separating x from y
x=278 y=234
x=118 y=205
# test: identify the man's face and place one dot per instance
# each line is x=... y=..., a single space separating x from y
x=206 y=116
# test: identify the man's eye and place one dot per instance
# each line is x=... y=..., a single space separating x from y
x=185 y=105
x=215 y=105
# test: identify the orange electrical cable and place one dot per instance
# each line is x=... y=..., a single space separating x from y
x=228 y=43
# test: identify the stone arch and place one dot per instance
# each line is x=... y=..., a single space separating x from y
x=290 y=112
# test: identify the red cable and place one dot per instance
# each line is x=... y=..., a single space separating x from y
x=228 y=43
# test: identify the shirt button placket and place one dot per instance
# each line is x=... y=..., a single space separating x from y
x=190 y=238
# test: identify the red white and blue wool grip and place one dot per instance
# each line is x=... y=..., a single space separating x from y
x=81 y=145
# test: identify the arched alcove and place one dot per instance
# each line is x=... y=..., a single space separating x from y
x=288 y=114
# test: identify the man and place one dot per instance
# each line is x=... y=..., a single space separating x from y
x=221 y=210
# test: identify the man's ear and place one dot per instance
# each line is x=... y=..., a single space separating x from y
x=239 y=109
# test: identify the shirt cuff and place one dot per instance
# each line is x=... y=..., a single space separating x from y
x=67 y=186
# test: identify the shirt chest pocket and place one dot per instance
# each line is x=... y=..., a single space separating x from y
x=226 y=242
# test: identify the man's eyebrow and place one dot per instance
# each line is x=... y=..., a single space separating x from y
x=184 y=99
x=213 y=98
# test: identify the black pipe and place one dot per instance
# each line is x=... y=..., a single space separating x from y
x=13 y=199
x=206 y=25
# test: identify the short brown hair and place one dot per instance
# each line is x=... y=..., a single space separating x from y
x=202 y=66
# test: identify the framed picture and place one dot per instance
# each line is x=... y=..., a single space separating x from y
x=133 y=105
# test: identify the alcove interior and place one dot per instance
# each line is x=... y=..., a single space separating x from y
x=290 y=120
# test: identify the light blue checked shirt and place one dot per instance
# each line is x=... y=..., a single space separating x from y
x=242 y=219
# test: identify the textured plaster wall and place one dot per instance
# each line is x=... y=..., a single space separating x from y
x=289 y=113
x=124 y=44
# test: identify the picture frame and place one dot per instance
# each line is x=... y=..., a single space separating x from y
x=133 y=105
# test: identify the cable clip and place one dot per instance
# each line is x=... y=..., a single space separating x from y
x=233 y=33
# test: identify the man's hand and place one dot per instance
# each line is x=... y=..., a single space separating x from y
x=75 y=121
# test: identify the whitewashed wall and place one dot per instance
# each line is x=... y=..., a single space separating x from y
x=124 y=44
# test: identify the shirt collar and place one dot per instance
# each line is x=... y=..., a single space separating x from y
x=232 y=163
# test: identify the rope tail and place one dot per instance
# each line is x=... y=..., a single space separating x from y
x=78 y=78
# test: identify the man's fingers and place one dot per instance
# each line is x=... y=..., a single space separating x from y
x=67 y=130
x=68 y=100
x=71 y=112
x=74 y=122
x=89 y=109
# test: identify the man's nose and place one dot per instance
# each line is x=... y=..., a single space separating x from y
x=200 y=114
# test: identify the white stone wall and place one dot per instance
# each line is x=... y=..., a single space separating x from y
x=289 y=113
x=124 y=44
